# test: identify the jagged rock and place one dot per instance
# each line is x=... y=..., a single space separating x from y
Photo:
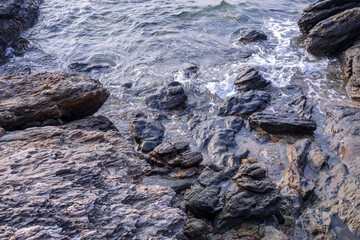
x=187 y=173
x=87 y=67
x=191 y=71
x=321 y=10
x=221 y=141
x=299 y=106
x=335 y=33
x=244 y=104
x=305 y=162
x=33 y=99
x=282 y=123
x=19 y=46
x=147 y=133
x=248 y=78
x=79 y=181
x=351 y=59
x=169 y=97
x=253 y=36
x=15 y=17
x=196 y=229
x=177 y=185
x=235 y=124
x=258 y=201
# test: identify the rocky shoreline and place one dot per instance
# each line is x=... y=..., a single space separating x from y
x=66 y=173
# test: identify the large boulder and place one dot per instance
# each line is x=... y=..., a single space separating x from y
x=47 y=99
x=80 y=181
x=16 y=16
x=335 y=33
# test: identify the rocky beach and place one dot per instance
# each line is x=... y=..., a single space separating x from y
x=180 y=120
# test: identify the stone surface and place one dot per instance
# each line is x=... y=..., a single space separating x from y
x=253 y=36
x=87 y=67
x=248 y=78
x=321 y=10
x=282 y=123
x=80 y=181
x=147 y=133
x=244 y=104
x=335 y=33
x=169 y=97
x=15 y=17
x=177 y=185
x=29 y=100
x=196 y=229
x=351 y=60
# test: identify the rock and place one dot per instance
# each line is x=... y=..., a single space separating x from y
x=282 y=123
x=87 y=67
x=249 y=79
x=187 y=173
x=15 y=17
x=305 y=162
x=147 y=133
x=177 y=185
x=28 y=99
x=253 y=36
x=299 y=105
x=2 y=132
x=203 y=201
x=78 y=181
x=221 y=142
x=196 y=229
x=271 y=233
x=244 y=104
x=190 y=159
x=351 y=59
x=191 y=71
x=240 y=204
x=169 y=97
x=321 y=10
x=235 y=124
x=335 y=33
x=127 y=85
x=19 y=46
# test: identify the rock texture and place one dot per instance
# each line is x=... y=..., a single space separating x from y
x=16 y=16
x=47 y=99
x=80 y=181
x=351 y=61
x=282 y=123
x=253 y=36
x=248 y=78
x=244 y=104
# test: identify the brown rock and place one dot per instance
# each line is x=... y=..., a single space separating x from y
x=187 y=173
x=29 y=100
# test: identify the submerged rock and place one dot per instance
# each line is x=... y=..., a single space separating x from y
x=335 y=33
x=253 y=36
x=249 y=79
x=87 y=67
x=15 y=17
x=282 y=123
x=147 y=133
x=244 y=104
x=33 y=100
x=169 y=97
x=77 y=181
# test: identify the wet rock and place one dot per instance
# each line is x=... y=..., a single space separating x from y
x=69 y=182
x=244 y=104
x=127 y=85
x=191 y=71
x=221 y=141
x=253 y=36
x=248 y=78
x=190 y=159
x=259 y=203
x=321 y=10
x=351 y=59
x=305 y=162
x=299 y=105
x=39 y=97
x=87 y=67
x=19 y=46
x=335 y=33
x=15 y=17
x=169 y=97
x=177 y=185
x=235 y=124
x=187 y=173
x=147 y=133
x=196 y=229
x=282 y=123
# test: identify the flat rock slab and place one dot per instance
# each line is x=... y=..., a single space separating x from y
x=80 y=181
x=30 y=100
x=282 y=123
x=248 y=78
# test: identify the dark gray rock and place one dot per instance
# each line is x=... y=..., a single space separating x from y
x=87 y=67
x=299 y=106
x=191 y=71
x=177 y=185
x=321 y=10
x=244 y=104
x=282 y=123
x=221 y=142
x=235 y=124
x=196 y=229
x=147 y=133
x=15 y=17
x=169 y=97
x=253 y=36
x=29 y=100
x=248 y=78
x=335 y=33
